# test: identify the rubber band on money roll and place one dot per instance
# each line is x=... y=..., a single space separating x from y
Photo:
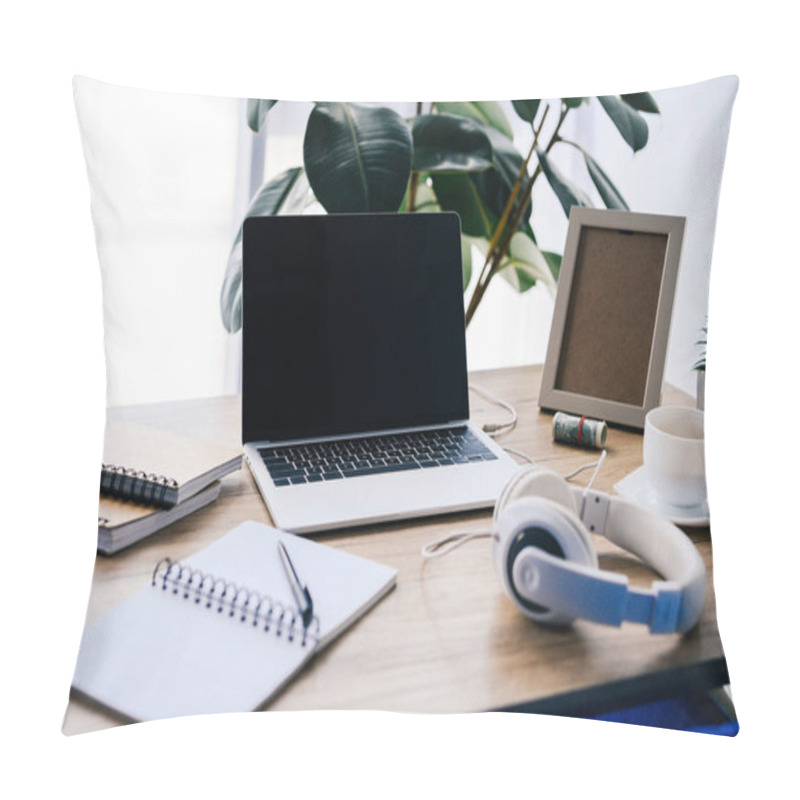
x=581 y=431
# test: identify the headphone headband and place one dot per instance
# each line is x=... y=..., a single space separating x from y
x=555 y=584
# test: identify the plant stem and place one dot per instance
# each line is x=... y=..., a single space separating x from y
x=555 y=137
x=504 y=232
x=413 y=180
x=412 y=190
x=500 y=252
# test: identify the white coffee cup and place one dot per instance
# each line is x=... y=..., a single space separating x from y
x=674 y=454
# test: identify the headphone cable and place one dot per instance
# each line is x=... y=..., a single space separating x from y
x=496 y=428
x=447 y=544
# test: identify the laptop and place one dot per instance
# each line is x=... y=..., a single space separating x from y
x=355 y=405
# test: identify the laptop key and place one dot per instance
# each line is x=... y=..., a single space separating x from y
x=286 y=471
x=331 y=476
x=281 y=482
x=359 y=473
x=298 y=479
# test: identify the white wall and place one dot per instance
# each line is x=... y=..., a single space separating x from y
x=163 y=172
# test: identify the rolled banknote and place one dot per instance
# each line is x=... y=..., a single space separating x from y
x=584 y=432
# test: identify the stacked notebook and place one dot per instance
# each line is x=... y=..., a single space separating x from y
x=152 y=478
x=221 y=632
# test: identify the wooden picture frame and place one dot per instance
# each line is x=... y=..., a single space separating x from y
x=608 y=340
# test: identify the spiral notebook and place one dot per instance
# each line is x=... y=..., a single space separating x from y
x=121 y=523
x=159 y=468
x=220 y=632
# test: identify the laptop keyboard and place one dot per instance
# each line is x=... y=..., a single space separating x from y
x=372 y=455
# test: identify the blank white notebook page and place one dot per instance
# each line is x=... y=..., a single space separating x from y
x=160 y=654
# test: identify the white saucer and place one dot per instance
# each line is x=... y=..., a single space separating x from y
x=636 y=488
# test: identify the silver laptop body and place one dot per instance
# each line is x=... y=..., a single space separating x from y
x=354 y=386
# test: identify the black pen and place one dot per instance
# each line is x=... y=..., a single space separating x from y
x=301 y=593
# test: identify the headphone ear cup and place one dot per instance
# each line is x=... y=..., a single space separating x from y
x=549 y=526
x=535 y=481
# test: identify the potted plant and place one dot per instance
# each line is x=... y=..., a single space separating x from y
x=453 y=156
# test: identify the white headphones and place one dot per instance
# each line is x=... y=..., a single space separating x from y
x=548 y=564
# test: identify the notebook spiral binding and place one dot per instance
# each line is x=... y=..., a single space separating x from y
x=138 y=485
x=246 y=604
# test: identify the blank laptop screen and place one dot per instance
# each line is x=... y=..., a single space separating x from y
x=351 y=323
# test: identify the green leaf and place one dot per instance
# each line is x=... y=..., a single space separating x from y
x=466 y=260
x=495 y=186
x=457 y=192
x=642 y=101
x=285 y=192
x=525 y=265
x=627 y=120
x=554 y=263
x=507 y=158
x=448 y=143
x=357 y=158
x=573 y=102
x=488 y=112
x=526 y=109
x=425 y=198
x=610 y=194
x=567 y=193
x=257 y=113
x=480 y=197
x=518 y=278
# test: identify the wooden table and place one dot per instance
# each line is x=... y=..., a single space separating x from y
x=446 y=639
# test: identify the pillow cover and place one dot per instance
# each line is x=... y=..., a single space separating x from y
x=172 y=178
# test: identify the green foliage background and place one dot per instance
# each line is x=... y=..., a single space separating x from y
x=452 y=156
